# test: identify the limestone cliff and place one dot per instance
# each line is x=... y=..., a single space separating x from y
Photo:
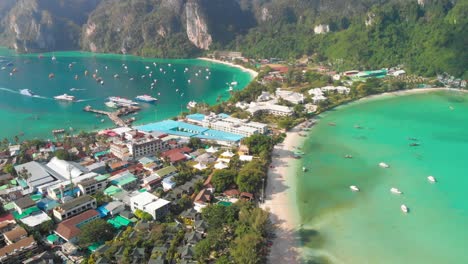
x=197 y=28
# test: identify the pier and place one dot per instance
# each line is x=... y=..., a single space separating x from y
x=115 y=116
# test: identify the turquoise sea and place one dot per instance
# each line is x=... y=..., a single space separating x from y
x=340 y=226
x=178 y=82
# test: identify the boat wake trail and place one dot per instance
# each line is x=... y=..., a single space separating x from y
x=17 y=92
x=86 y=100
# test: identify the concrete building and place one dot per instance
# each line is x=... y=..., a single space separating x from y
x=66 y=189
x=120 y=150
x=74 y=207
x=292 y=97
x=17 y=252
x=225 y=123
x=151 y=204
x=69 y=229
x=93 y=185
x=145 y=146
x=39 y=176
x=125 y=180
x=23 y=204
x=270 y=108
x=15 y=235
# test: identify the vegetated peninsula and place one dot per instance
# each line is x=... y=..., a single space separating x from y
x=427 y=36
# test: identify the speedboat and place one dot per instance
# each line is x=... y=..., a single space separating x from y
x=233 y=83
x=395 y=190
x=384 y=165
x=65 y=97
x=26 y=92
x=431 y=179
x=146 y=98
x=354 y=188
x=191 y=104
x=404 y=208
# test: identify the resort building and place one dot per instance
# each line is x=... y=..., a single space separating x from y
x=150 y=203
x=293 y=97
x=339 y=89
x=270 y=108
x=226 y=123
x=74 y=207
x=69 y=229
x=19 y=251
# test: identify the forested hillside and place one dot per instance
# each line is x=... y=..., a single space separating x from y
x=427 y=36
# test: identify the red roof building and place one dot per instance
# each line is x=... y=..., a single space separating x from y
x=69 y=229
x=177 y=154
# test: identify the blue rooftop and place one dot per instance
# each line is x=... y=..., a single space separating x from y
x=198 y=117
x=188 y=130
x=223 y=115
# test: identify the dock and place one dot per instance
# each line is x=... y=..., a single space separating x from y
x=115 y=116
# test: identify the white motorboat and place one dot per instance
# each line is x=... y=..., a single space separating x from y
x=65 y=97
x=111 y=105
x=404 y=208
x=122 y=101
x=304 y=169
x=384 y=165
x=354 y=188
x=26 y=92
x=191 y=104
x=146 y=98
x=395 y=190
x=431 y=179
x=233 y=83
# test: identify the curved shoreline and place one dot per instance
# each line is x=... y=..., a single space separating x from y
x=280 y=198
x=252 y=73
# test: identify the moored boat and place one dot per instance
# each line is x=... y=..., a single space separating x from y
x=431 y=179
x=122 y=101
x=304 y=169
x=146 y=98
x=404 y=208
x=191 y=104
x=395 y=190
x=384 y=165
x=354 y=188
x=111 y=104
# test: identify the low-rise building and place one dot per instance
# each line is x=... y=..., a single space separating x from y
x=74 y=207
x=93 y=185
x=168 y=183
x=292 y=97
x=17 y=252
x=165 y=172
x=125 y=180
x=120 y=150
x=150 y=203
x=69 y=229
x=270 y=107
x=23 y=204
x=15 y=235
x=146 y=146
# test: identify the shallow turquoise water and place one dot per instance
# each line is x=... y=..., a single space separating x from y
x=36 y=117
x=340 y=226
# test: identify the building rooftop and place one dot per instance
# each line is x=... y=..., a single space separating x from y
x=156 y=205
x=65 y=168
x=39 y=173
x=25 y=202
x=143 y=198
x=36 y=219
x=68 y=229
x=23 y=244
x=75 y=202
x=15 y=234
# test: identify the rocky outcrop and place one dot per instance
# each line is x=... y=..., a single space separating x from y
x=197 y=27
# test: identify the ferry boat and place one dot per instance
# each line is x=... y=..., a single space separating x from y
x=384 y=165
x=395 y=190
x=354 y=188
x=191 y=104
x=122 y=101
x=146 y=98
x=65 y=97
x=26 y=92
x=404 y=208
x=431 y=179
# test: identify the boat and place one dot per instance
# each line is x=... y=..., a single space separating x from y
x=26 y=92
x=404 y=208
x=354 y=188
x=348 y=157
x=384 y=165
x=54 y=58
x=431 y=179
x=395 y=190
x=233 y=83
x=111 y=105
x=414 y=144
x=304 y=169
x=146 y=98
x=231 y=89
x=58 y=131
x=65 y=97
x=122 y=101
x=191 y=104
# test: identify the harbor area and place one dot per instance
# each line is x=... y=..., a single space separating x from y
x=116 y=115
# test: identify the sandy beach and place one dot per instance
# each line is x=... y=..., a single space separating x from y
x=279 y=198
x=250 y=71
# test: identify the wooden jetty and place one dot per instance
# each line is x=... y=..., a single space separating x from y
x=115 y=116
